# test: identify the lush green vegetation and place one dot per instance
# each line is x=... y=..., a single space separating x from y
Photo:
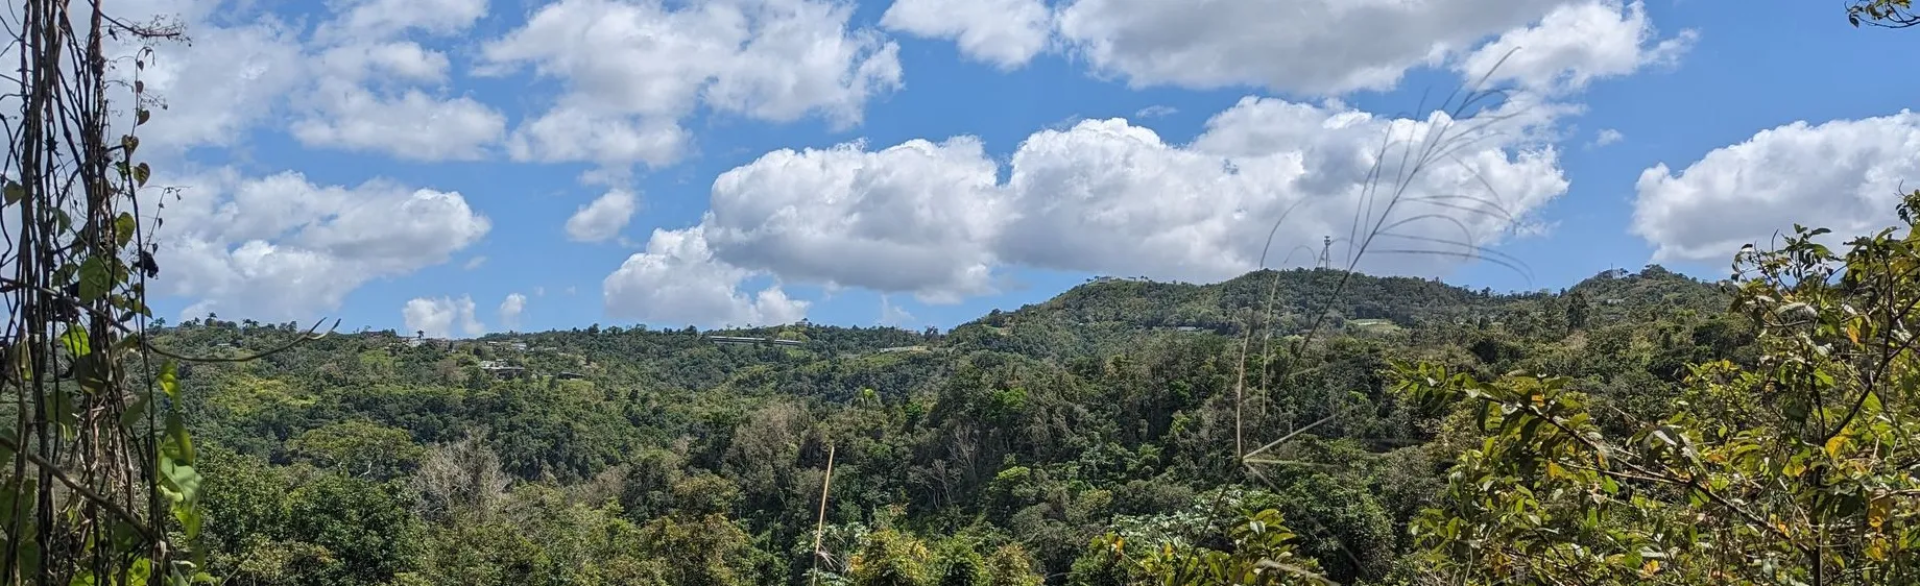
x=1086 y=440
x=1282 y=427
x=1794 y=466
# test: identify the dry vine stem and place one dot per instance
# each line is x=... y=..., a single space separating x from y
x=820 y=526
x=98 y=485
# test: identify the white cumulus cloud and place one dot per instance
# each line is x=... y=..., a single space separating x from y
x=920 y=216
x=1307 y=46
x=412 y=125
x=1156 y=111
x=893 y=315
x=211 y=91
x=1102 y=196
x=441 y=317
x=382 y=18
x=510 y=310
x=634 y=68
x=405 y=60
x=1005 y=33
x=1110 y=197
x=1315 y=47
x=1575 y=44
x=357 y=83
x=1845 y=175
x=281 y=247
x=276 y=245
x=380 y=92
x=603 y=218
x=677 y=280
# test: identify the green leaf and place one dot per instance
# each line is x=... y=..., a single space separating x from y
x=125 y=536
x=140 y=174
x=186 y=511
x=75 y=340
x=179 y=445
x=123 y=228
x=10 y=499
x=170 y=379
x=137 y=411
x=96 y=279
x=91 y=372
x=1834 y=444
x=141 y=571
x=140 y=116
x=30 y=558
x=15 y=192
x=182 y=479
x=59 y=409
x=1532 y=428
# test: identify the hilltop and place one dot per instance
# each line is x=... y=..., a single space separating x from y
x=1105 y=314
x=1099 y=318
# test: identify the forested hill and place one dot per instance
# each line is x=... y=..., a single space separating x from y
x=1293 y=296
x=1107 y=314
x=628 y=455
x=1103 y=316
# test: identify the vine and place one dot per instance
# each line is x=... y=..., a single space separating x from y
x=99 y=485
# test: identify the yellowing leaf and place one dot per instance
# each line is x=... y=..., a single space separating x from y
x=1877 y=511
x=1834 y=445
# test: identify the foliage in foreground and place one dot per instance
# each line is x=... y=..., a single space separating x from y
x=1796 y=469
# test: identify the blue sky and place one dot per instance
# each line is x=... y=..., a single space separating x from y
x=465 y=166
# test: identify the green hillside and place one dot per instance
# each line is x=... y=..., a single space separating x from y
x=622 y=455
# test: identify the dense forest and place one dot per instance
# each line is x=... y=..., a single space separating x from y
x=1020 y=448
x=1303 y=426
